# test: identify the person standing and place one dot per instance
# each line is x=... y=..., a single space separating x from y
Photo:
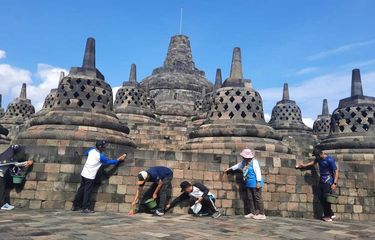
x=95 y=159
x=254 y=183
x=10 y=157
x=329 y=175
x=161 y=189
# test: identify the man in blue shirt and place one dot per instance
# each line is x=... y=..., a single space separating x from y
x=161 y=177
x=329 y=175
x=95 y=159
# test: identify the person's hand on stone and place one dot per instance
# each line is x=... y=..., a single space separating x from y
x=29 y=163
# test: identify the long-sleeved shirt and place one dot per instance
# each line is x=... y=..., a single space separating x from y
x=199 y=190
x=7 y=159
x=94 y=161
x=252 y=174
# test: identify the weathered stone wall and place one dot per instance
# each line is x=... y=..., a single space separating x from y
x=287 y=192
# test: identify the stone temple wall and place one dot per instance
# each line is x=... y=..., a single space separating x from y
x=287 y=192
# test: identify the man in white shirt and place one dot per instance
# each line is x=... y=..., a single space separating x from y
x=95 y=159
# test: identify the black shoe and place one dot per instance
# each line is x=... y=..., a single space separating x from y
x=74 y=209
x=87 y=211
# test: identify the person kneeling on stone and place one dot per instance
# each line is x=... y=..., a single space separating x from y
x=253 y=180
x=95 y=159
x=11 y=157
x=161 y=189
x=202 y=201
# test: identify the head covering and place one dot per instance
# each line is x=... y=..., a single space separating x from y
x=100 y=143
x=142 y=176
x=247 y=153
x=184 y=185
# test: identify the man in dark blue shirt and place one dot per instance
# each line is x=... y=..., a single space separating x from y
x=161 y=177
x=329 y=175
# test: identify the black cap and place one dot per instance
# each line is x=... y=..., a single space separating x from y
x=184 y=185
x=100 y=143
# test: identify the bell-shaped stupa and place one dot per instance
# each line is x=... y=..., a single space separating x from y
x=352 y=133
x=81 y=113
x=322 y=124
x=235 y=119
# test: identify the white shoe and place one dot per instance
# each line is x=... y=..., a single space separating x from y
x=333 y=216
x=250 y=215
x=260 y=217
x=159 y=213
x=7 y=206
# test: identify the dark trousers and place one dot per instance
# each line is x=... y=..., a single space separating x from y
x=325 y=189
x=82 y=198
x=255 y=200
x=5 y=187
x=165 y=194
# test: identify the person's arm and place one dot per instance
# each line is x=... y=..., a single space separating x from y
x=135 y=200
x=234 y=167
x=258 y=173
x=107 y=161
x=183 y=197
x=24 y=164
x=160 y=184
x=335 y=171
x=304 y=165
x=203 y=188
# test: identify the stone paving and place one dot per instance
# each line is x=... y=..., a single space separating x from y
x=51 y=225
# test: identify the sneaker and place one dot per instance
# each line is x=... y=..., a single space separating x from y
x=260 y=217
x=159 y=212
x=74 y=209
x=216 y=214
x=7 y=206
x=250 y=215
x=333 y=217
x=87 y=211
x=327 y=219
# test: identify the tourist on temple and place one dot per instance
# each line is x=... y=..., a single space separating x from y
x=95 y=159
x=13 y=156
x=329 y=175
x=254 y=183
x=160 y=190
x=202 y=201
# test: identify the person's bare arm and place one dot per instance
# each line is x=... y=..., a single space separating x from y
x=334 y=185
x=304 y=165
x=135 y=201
x=160 y=184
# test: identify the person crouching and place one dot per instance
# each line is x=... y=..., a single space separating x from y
x=200 y=194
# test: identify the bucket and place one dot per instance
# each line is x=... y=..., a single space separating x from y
x=332 y=198
x=18 y=179
x=151 y=203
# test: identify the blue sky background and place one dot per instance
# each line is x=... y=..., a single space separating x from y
x=312 y=45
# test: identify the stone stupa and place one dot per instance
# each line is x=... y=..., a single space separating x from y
x=178 y=83
x=81 y=113
x=18 y=113
x=132 y=103
x=322 y=124
x=235 y=119
x=286 y=118
x=352 y=135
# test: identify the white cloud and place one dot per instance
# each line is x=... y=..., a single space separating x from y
x=12 y=76
x=11 y=79
x=310 y=93
x=339 y=50
x=306 y=70
x=308 y=121
x=2 y=54
x=114 y=91
x=49 y=76
x=267 y=117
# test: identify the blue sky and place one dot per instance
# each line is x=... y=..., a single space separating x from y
x=312 y=45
